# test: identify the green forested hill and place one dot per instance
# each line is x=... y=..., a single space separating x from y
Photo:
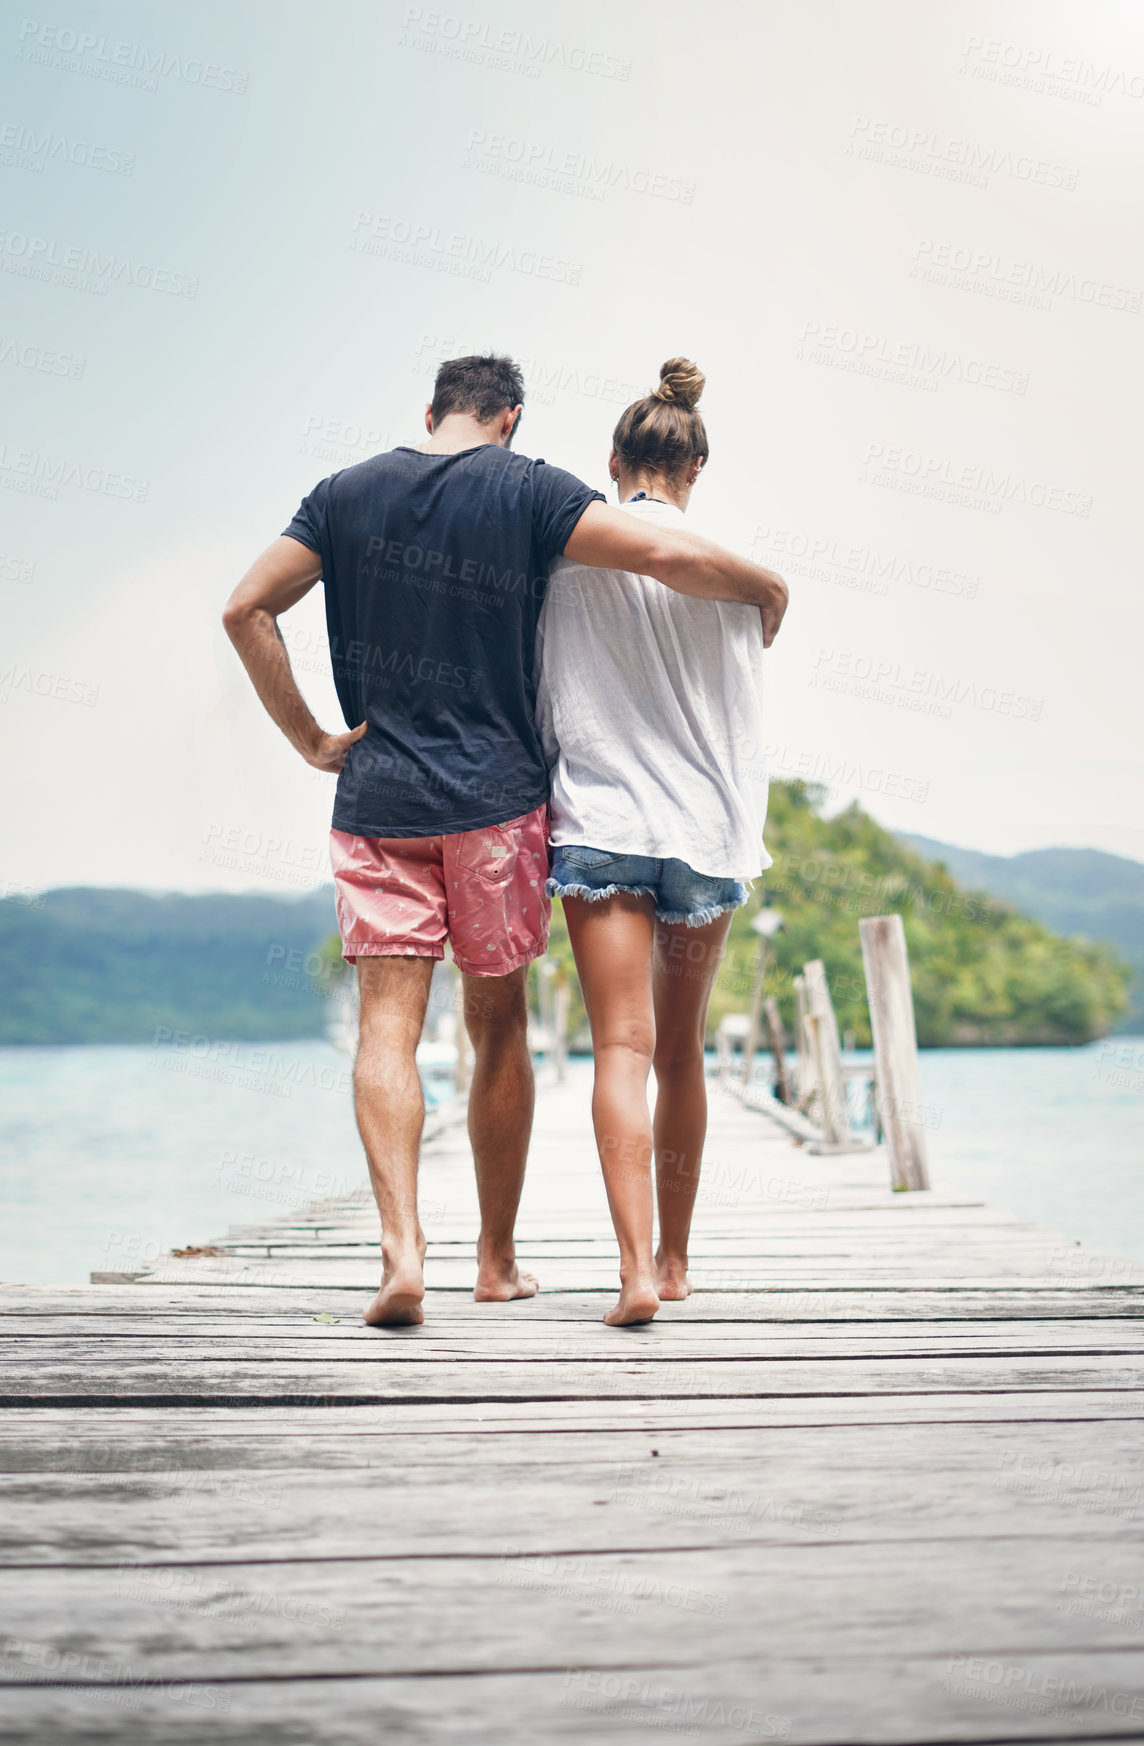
x=1073 y=891
x=96 y=966
x=982 y=973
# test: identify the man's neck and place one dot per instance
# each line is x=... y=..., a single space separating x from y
x=458 y=432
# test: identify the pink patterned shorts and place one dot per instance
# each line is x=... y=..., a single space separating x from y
x=402 y=897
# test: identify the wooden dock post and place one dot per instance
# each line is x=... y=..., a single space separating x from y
x=561 y=1000
x=804 y=1067
x=462 y=1067
x=828 y=1054
x=754 y=1016
x=898 y=1088
x=766 y=924
x=732 y=1029
x=778 y=1049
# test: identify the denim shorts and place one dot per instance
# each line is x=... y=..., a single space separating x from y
x=681 y=895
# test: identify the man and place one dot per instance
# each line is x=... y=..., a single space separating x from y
x=435 y=562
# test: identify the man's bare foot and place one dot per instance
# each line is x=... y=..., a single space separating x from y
x=501 y=1281
x=398 y=1302
x=638 y=1302
x=502 y=1288
x=672 y=1282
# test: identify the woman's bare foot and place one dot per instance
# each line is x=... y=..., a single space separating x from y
x=672 y=1282
x=398 y=1302
x=638 y=1302
x=500 y=1280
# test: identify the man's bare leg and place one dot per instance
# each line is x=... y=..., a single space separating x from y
x=501 y=1099
x=390 y=1110
x=686 y=965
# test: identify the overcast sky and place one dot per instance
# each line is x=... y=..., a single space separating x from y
x=901 y=240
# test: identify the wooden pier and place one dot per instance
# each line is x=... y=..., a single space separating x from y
x=878 y=1480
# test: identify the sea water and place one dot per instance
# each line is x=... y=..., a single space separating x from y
x=112 y=1156
x=1056 y=1135
x=115 y=1155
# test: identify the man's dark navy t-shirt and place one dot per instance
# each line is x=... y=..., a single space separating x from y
x=435 y=568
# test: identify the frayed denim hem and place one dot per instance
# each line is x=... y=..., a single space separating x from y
x=695 y=918
x=699 y=918
x=596 y=894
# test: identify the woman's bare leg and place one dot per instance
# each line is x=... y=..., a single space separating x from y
x=686 y=964
x=614 y=941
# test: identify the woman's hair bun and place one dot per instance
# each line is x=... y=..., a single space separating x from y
x=680 y=382
x=664 y=433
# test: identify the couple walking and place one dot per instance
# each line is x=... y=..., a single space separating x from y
x=545 y=696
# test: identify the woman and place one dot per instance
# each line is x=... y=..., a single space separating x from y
x=649 y=706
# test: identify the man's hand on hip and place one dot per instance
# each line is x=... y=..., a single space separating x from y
x=275 y=582
x=330 y=750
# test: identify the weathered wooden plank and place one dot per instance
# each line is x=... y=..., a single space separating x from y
x=675 y=1365
x=786 y=1203
x=898 y=1699
x=995 y=1482
x=330 y=1318
x=792 y=1206
x=361 y=1373
x=326 y=1381
x=621 y=1416
x=828 y=1248
x=320 y=1274
x=432 y=1614
x=142 y=1440
x=303 y=1337
x=772 y=1305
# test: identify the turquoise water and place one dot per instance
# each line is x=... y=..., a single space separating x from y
x=1055 y=1134
x=114 y=1155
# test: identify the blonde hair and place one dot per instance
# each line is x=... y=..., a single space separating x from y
x=663 y=433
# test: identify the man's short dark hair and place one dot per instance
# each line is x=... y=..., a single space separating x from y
x=482 y=386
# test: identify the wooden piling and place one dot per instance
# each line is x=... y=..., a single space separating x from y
x=561 y=1000
x=778 y=1049
x=754 y=1019
x=898 y=1087
x=804 y=1067
x=828 y=1052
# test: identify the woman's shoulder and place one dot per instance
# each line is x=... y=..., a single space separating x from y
x=565 y=575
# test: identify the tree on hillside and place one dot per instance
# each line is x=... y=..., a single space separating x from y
x=981 y=972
